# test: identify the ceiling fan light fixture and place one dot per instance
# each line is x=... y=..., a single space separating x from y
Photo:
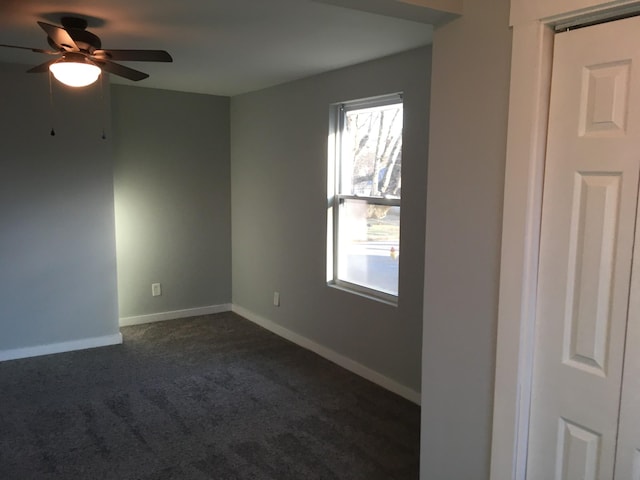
x=75 y=70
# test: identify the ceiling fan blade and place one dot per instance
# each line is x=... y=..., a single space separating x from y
x=134 y=55
x=43 y=67
x=121 y=70
x=37 y=50
x=60 y=37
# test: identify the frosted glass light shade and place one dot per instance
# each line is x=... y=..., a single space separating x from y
x=75 y=74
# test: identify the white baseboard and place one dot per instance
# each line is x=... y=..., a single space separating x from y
x=175 y=314
x=337 y=358
x=279 y=330
x=61 y=347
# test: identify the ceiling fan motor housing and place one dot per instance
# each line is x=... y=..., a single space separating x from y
x=76 y=28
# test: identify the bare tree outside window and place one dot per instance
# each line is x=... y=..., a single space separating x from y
x=376 y=149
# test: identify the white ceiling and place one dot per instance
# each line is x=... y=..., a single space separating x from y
x=228 y=47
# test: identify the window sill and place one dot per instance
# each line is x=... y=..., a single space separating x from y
x=392 y=301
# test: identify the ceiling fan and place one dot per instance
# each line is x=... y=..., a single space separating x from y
x=80 y=58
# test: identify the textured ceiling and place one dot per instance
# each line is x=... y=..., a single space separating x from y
x=227 y=47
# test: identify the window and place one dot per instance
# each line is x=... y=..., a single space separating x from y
x=364 y=196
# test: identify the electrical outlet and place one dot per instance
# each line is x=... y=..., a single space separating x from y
x=276 y=299
x=156 y=289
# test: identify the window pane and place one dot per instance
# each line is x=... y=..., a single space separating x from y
x=369 y=245
x=372 y=151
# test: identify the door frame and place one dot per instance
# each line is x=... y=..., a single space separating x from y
x=532 y=57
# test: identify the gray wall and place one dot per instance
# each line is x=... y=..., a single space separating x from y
x=279 y=200
x=172 y=199
x=470 y=90
x=57 y=245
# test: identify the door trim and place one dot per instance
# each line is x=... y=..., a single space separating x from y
x=532 y=54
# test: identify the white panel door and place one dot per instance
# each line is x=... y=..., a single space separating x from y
x=588 y=224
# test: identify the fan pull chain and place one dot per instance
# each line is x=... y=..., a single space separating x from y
x=52 y=111
x=102 y=102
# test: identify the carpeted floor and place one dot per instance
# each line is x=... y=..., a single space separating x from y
x=212 y=397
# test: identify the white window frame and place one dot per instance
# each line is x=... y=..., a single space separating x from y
x=335 y=199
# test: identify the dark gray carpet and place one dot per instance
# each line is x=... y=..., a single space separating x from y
x=212 y=397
